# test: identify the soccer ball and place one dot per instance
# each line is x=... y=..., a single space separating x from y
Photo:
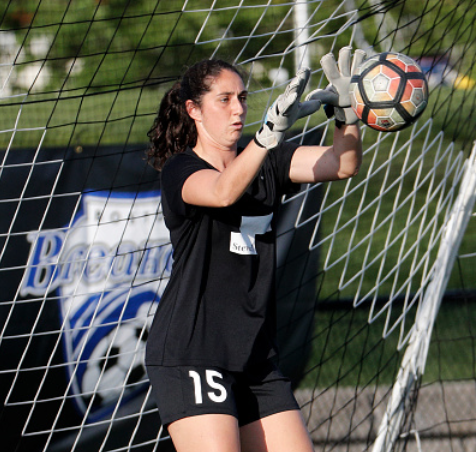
x=389 y=91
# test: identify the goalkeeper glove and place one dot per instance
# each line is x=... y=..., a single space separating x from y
x=337 y=93
x=285 y=111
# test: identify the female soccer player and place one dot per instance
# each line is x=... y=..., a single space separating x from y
x=211 y=346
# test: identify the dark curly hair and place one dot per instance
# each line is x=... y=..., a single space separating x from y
x=173 y=130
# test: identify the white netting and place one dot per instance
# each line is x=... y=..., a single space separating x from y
x=84 y=252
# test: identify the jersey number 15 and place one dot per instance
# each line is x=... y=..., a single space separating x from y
x=218 y=394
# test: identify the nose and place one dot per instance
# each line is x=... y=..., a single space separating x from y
x=238 y=107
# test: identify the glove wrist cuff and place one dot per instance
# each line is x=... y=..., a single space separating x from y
x=339 y=124
x=258 y=143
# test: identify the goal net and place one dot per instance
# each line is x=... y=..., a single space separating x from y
x=376 y=287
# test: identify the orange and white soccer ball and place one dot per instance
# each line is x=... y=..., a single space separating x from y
x=389 y=91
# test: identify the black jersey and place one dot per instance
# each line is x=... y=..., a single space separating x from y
x=218 y=308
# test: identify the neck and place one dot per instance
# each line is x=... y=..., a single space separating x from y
x=216 y=156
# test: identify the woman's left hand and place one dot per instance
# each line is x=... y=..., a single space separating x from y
x=337 y=94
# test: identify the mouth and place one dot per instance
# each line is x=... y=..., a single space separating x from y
x=238 y=125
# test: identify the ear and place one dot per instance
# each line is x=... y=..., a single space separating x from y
x=193 y=110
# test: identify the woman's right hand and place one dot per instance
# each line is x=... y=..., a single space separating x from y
x=285 y=111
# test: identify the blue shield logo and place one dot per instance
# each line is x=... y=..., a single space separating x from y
x=108 y=270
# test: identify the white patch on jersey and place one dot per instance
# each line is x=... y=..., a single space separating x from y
x=243 y=242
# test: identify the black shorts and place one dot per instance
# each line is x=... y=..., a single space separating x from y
x=192 y=390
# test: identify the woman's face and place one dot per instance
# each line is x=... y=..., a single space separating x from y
x=221 y=116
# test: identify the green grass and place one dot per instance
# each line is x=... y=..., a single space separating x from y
x=101 y=118
x=347 y=351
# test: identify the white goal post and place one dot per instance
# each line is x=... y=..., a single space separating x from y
x=414 y=359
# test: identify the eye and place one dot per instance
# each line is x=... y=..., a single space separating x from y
x=243 y=98
x=224 y=99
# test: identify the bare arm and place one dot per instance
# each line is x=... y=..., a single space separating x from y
x=309 y=164
x=326 y=163
x=213 y=188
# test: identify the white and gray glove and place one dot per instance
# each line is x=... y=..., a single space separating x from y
x=285 y=111
x=337 y=94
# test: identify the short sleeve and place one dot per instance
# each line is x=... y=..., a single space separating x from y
x=280 y=160
x=173 y=176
